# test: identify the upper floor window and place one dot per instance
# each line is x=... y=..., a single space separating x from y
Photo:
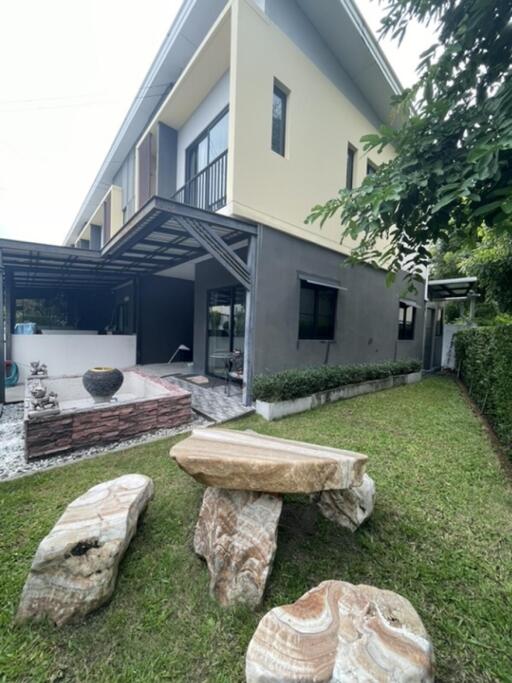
x=212 y=142
x=370 y=168
x=351 y=164
x=406 y=321
x=279 y=102
x=317 y=311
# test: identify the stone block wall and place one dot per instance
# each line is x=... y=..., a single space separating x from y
x=54 y=434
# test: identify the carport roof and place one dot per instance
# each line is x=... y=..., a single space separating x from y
x=451 y=288
x=163 y=234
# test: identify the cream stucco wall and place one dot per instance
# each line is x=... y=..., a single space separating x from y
x=321 y=122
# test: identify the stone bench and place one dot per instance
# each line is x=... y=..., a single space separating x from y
x=75 y=567
x=246 y=475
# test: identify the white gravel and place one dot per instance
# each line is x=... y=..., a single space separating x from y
x=12 y=455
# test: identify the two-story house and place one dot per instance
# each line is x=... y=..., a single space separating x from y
x=193 y=229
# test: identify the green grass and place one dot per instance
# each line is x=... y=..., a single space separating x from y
x=441 y=535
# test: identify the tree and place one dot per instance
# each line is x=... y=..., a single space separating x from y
x=452 y=173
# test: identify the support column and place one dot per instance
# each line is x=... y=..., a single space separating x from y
x=2 y=327
x=249 y=324
x=10 y=312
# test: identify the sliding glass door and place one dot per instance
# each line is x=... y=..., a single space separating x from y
x=226 y=326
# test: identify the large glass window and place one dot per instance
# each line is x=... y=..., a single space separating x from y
x=279 y=102
x=317 y=312
x=406 y=321
x=226 y=326
x=370 y=168
x=208 y=146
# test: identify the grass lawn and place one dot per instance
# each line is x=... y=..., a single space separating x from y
x=441 y=535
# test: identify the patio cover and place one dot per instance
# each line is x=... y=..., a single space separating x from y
x=451 y=288
x=161 y=235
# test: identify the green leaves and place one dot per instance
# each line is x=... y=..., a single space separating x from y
x=453 y=163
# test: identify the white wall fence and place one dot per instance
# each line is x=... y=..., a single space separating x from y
x=73 y=354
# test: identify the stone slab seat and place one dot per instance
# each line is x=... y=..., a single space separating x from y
x=228 y=459
x=75 y=567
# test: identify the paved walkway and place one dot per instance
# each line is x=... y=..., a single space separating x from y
x=213 y=403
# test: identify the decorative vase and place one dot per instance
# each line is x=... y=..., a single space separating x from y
x=102 y=383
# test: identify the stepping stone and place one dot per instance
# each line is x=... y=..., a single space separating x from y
x=348 y=508
x=225 y=458
x=237 y=535
x=340 y=633
x=75 y=567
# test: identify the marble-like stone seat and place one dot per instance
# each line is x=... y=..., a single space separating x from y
x=246 y=474
x=75 y=567
x=246 y=461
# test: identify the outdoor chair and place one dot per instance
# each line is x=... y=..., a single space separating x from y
x=234 y=369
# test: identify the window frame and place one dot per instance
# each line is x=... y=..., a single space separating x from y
x=317 y=287
x=372 y=166
x=195 y=144
x=351 y=163
x=403 y=333
x=282 y=93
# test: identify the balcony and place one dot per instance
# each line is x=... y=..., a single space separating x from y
x=207 y=189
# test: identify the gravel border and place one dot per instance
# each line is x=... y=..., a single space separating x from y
x=12 y=455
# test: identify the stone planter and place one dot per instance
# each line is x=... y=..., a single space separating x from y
x=279 y=409
x=102 y=383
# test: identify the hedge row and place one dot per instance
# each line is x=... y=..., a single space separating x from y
x=290 y=384
x=484 y=360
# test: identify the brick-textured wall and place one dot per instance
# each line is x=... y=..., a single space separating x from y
x=57 y=433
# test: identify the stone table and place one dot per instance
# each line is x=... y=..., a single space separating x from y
x=246 y=475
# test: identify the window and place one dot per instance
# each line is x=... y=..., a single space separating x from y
x=370 y=168
x=208 y=146
x=406 y=321
x=351 y=162
x=317 y=313
x=279 y=102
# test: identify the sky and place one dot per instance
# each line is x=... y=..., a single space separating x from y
x=68 y=74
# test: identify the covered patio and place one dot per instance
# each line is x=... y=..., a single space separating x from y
x=165 y=239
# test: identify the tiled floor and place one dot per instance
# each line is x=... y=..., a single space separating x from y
x=211 y=402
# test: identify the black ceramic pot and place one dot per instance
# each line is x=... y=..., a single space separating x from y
x=102 y=383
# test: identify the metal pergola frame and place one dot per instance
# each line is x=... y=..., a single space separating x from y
x=161 y=235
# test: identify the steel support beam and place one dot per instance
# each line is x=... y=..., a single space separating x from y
x=250 y=302
x=217 y=248
x=2 y=327
x=10 y=312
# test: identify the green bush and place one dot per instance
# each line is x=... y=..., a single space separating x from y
x=484 y=359
x=290 y=384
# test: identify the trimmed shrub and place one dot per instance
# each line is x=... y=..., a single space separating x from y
x=484 y=360
x=290 y=384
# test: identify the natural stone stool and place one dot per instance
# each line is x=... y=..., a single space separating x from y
x=237 y=535
x=348 y=508
x=75 y=567
x=340 y=633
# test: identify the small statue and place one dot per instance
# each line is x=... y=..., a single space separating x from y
x=38 y=369
x=41 y=401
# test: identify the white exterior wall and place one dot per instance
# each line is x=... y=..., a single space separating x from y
x=212 y=105
x=322 y=120
x=73 y=354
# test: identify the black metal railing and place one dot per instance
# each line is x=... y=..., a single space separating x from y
x=207 y=189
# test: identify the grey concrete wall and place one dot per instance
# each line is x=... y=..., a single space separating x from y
x=366 y=316
x=166 y=314
x=290 y=18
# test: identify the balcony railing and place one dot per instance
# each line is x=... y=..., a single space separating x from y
x=207 y=189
